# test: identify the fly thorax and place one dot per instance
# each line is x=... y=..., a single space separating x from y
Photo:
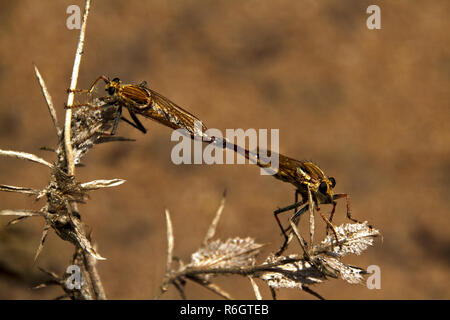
x=303 y=174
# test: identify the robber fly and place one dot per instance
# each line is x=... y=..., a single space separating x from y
x=312 y=184
x=140 y=100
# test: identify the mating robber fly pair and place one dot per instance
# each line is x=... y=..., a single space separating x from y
x=312 y=184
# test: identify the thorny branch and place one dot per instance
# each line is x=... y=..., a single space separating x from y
x=83 y=129
x=237 y=256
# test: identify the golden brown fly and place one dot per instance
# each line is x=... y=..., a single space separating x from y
x=138 y=99
x=312 y=184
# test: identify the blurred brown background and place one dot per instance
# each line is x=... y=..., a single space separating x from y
x=369 y=106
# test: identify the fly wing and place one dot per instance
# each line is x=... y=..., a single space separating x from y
x=291 y=170
x=165 y=111
x=314 y=171
x=135 y=94
x=287 y=167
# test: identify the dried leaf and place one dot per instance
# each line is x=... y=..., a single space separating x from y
x=25 y=156
x=97 y=184
x=49 y=101
x=86 y=245
x=22 y=213
x=170 y=241
x=354 y=238
x=51 y=274
x=78 y=238
x=255 y=288
x=353 y=275
x=212 y=228
x=6 y=188
x=16 y=220
x=234 y=252
x=294 y=274
x=41 y=243
x=19 y=212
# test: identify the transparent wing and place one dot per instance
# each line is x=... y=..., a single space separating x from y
x=172 y=115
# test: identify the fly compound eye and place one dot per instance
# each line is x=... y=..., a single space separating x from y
x=116 y=80
x=111 y=90
x=333 y=181
x=323 y=188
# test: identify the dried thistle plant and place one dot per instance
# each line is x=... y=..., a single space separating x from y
x=83 y=129
x=238 y=256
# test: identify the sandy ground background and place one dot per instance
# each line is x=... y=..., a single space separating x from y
x=370 y=107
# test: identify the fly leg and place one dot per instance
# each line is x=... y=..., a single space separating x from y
x=295 y=202
x=137 y=124
x=329 y=225
x=295 y=206
x=332 y=214
x=130 y=105
x=347 y=198
x=292 y=220
x=296 y=217
x=91 y=89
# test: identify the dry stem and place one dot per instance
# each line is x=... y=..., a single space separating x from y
x=73 y=85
